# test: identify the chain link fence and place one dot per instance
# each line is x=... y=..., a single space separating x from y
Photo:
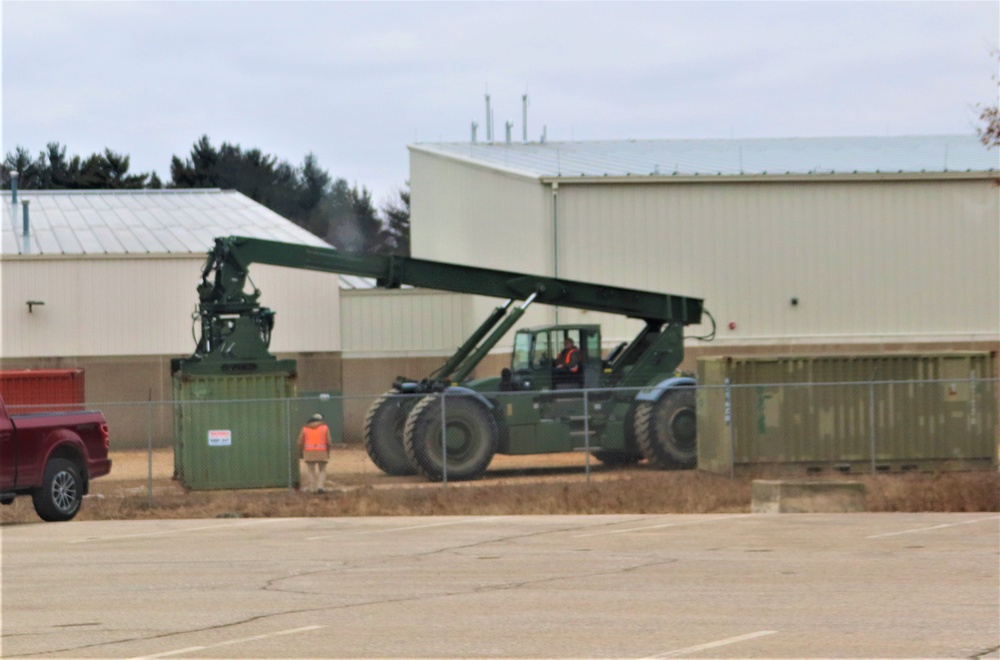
x=396 y=438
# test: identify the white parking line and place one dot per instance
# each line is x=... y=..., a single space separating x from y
x=673 y=524
x=713 y=645
x=927 y=529
x=178 y=531
x=396 y=529
x=192 y=649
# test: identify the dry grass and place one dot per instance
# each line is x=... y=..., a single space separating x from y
x=513 y=486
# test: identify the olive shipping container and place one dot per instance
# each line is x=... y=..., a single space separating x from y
x=235 y=431
x=28 y=391
x=863 y=413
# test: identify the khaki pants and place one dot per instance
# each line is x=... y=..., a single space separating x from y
x=315 y=475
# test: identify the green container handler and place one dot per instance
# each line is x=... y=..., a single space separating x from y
x=235 y=431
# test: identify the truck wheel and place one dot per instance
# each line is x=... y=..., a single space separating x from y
x=384 y=434
x=470 y=436
x=61 y=491
x=666 y=430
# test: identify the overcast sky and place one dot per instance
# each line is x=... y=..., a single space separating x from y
x=355 y=82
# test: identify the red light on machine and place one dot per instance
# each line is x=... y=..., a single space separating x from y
x=732 y=325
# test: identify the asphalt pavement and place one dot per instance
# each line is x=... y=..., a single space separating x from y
x=616 y=586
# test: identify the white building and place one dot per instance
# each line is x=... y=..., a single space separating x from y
x=106 y=281
x=796 y=245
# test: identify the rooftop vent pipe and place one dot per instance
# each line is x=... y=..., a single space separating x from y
x=509 y=125
x=489 y=124
x=26 y=226
x=474 y=127
x=13 y=188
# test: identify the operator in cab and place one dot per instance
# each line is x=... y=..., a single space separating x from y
x=568 y=368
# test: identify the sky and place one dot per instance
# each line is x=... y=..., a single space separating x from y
x=356 y=82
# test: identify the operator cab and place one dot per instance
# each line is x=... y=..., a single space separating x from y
x=536 y=350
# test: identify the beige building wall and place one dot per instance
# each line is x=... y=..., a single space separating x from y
x=866 y=261
x=115 y=306
x=887 y=259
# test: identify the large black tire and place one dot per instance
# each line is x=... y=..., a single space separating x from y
x=61 y=492
x=384 y=425
x=471 y=433
x=666 y=430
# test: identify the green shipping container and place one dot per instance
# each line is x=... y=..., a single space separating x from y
x=235 y=431
x=853 y=413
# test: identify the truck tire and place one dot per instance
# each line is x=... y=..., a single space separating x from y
x=471 y=433
x=666 y=430
x=630 y=455
x=384 y=425
x=61 y=492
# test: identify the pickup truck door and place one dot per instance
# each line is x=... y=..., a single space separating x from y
x=8 y=452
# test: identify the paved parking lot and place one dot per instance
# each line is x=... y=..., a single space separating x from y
x=629 y=586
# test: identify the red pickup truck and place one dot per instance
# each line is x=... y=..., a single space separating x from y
x=52 y=457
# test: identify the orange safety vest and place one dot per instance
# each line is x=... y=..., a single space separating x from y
x=314 y=439
x=569 y=359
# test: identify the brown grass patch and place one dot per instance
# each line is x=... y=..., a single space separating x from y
x=513 y=486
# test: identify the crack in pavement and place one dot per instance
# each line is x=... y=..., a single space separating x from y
x=270 y=585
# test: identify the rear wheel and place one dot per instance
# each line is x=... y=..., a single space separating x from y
x=61 y=491
x=666 y=430
x=384 y=434
x=470 y=438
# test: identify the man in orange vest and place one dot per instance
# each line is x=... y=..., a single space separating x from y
x=568 y=362
x=314 y=449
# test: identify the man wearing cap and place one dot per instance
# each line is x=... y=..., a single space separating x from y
x=314 y=449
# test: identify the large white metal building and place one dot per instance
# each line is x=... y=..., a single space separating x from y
x=796 y=245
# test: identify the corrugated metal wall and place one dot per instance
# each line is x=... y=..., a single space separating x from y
x=471 y=215
x=402 y=322
x=98 y=306
x=878 y=261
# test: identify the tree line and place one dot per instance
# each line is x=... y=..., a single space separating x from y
x=340 y=213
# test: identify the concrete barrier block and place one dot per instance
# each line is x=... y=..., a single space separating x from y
x=808 y=496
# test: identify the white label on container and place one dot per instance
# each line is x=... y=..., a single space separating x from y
x=220 y=438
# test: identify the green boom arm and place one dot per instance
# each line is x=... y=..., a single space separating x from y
x=232 y=257
x=224 y=297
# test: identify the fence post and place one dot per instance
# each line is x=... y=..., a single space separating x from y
x=444 y=443
x=729 y=424
x=149 y=447
x=871 y=420
x=586 y=434
x=288 y=435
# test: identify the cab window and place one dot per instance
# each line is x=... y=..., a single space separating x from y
x=522 y=351
x=543 y=350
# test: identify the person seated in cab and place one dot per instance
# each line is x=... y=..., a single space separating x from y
x=568 y=367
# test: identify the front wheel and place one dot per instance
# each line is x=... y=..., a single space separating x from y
x=468 y=445
x=61 y=492
x=666 y=430
x=384 y=433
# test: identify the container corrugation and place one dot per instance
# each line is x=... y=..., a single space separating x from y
x=848 y=413
x=235 y=431
x=28 y=391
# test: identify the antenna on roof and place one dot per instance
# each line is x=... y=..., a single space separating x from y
x=489 y=124
x=524 y=118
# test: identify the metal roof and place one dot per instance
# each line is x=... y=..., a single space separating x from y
x=142 y=222
x=741 y=157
